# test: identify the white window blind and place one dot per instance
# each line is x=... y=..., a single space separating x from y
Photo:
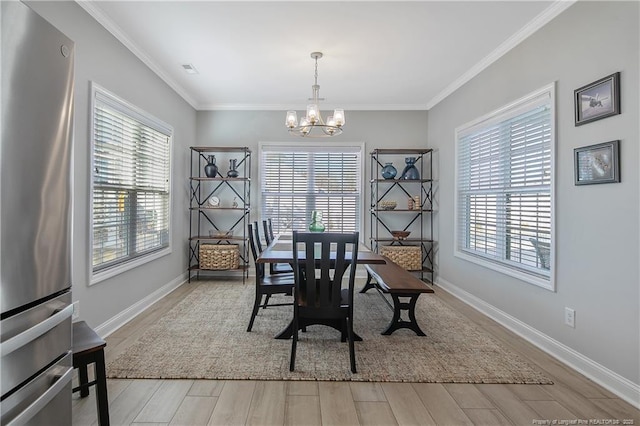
x=297 y=180
x=504 y=188
x=131 y=182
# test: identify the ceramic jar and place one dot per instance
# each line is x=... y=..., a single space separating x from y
x=211 y=170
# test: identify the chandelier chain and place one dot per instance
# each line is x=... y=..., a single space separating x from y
x=316 y=74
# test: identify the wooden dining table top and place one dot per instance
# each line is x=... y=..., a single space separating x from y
x=281 y=251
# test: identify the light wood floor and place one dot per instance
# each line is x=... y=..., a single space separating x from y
x=571 y=400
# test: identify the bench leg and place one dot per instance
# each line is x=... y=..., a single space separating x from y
x=368 y=285
x=398 y=306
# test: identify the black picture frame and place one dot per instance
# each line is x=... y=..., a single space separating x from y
x=597 y=100
x=598 y=163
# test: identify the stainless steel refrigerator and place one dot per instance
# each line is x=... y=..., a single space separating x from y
x=35 y=215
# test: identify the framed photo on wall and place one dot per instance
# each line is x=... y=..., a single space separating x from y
x=597 y=163
x=597 y=100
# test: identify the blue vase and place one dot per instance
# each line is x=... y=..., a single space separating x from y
x=233 y=171
x=388 y=171
x=410 y=171
x=211 y=170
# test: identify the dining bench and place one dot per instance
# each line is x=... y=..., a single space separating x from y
x=400 y=284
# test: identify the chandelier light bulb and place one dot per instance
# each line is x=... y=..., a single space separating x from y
x=338 y=116
x=292 y=119
x=312 y=113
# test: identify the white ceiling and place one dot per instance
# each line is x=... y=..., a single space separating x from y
x=255 y=55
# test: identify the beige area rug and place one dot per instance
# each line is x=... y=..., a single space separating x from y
x=204 y=337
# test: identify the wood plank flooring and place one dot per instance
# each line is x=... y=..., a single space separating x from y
x=572 y=398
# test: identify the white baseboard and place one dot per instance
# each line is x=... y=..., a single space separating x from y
x=622 y=387
x=114 y=323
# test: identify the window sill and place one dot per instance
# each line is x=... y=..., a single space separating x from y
x=546 y=283
x=97 y=277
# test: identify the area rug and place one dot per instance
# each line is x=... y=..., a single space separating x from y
x=204 y=337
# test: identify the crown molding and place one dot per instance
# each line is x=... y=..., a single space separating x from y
x=97 y=14
x=283 y=107
x=538 y=22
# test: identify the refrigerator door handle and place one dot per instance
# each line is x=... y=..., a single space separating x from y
x=37 y=405
x=36 y=331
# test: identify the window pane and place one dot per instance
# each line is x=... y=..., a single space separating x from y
x=504 y=187
x=295 y=182
x=131 y=166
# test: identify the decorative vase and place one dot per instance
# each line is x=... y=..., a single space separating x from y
x=410 y=171
x=211 y=170
x=316 y=221
x=388 y=171
x=233 y=172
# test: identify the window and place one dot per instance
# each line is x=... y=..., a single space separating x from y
x=131 y=158
x=295 y=180
x=504 y=206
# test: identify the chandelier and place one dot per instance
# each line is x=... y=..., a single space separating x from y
x=312 y=125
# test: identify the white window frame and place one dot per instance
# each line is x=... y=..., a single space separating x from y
x=501 y=114
x=144 y=117
x=359 y=146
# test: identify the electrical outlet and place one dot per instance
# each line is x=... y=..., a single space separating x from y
x=570 y=317
x=76 y=310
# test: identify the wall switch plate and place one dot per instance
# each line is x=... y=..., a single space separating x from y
x=76 y=310
x=570 y=317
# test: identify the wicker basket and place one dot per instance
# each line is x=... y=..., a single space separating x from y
x=219 y=256
x=407 y=257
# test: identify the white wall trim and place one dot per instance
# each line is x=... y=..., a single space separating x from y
x=325 y=106
x=610 y=380
x=538 y=22
x=92 y=9
x=114 y=323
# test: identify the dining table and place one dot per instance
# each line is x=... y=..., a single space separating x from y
x=281 y=251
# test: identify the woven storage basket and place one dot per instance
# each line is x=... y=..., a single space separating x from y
x=407 y=257
x=219 y=256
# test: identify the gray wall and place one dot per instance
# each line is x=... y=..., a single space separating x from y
x=103 y=59
x=377 y=129
x=597 y=232
x=597 y=228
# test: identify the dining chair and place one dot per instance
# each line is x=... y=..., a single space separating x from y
x=543 y=252
x=266 y=285
x=319 y=297
x=274 y=268
x=267 y=225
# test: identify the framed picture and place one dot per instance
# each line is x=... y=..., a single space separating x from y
x=598 y=100
x=597 y=163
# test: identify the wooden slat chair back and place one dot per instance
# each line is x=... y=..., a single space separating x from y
x=274 y=268
x=266 y=285
x=319 y=296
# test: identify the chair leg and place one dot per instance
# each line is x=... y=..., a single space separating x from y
x=294 y=344
x=352 y=349
x=266 y=301
x=102 y=400
x=256 y=306
x=83 y=378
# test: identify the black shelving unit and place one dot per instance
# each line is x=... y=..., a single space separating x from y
x=418 y=220
x=204 y=218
